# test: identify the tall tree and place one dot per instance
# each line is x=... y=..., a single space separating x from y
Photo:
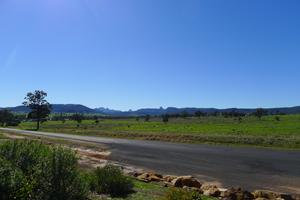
x=39 y=106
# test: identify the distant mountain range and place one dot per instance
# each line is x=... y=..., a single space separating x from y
x=77 y=108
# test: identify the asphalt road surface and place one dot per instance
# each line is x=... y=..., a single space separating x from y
x=251 y=168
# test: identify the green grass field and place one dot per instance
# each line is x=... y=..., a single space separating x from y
x=267 y=132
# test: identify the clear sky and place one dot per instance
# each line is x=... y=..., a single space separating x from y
x=128 y=54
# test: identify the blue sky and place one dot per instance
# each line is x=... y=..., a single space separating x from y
x=128 y=54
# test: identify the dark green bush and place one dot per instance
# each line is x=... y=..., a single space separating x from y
x=110 y=180
x=11 y=180
x=63 y=176
x=181 y=194
x=26 y=155
x=49 y=173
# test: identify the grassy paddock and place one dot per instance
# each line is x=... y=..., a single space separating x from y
x=267 y=132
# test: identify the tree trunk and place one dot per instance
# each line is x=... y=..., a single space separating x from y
x=37 y=124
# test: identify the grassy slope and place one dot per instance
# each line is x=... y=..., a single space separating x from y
x=251 y=131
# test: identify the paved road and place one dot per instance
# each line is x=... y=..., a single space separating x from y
x=252 y=168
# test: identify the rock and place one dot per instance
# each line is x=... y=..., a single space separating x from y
x=150 y=177
x=211 y=190
x=271 y=195
x=236 y=194
x=169 y=178
x=143 y=176
x=154 y=178
x=188 y=181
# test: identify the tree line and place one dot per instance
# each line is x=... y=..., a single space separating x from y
x=40 y=110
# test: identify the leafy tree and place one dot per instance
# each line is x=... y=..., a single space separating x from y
x=165 y=118
x=77 y=117
x=260 y=112
x=199 y=114
x=40 y=107
x=95 y=117
x=184 y=114
x=147 y=118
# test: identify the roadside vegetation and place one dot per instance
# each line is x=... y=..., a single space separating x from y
x=30 y=169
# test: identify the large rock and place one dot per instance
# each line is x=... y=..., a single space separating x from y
x=271 y=195
x=236 y=194
x=154 y=178
x=188 y=181
x=211 y=190
x=169 y=178
x=150 y=177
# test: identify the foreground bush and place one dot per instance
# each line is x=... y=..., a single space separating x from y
x=40 y=172
x=181 y=194
x=63 y=176
x=110 y=180
x=11 y=180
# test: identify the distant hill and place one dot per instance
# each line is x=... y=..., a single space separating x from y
x=59 y=108
x=77 y=108
x=174 y=110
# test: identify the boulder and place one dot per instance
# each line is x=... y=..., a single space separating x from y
x=150 y=177
x=211 y=190
x=236 y=194
x=154 y=178
x=169 y=178
x=271 y=195
x=188 y=181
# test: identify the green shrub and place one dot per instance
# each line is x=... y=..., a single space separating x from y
x=63 y=176
x=26 y=155
x=49 y=173
x=11 y=180
x=181 y=194
x=110 y=180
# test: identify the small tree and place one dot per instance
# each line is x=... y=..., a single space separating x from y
x=147 y=118
x=78 y=118
x=40 y=107
x=184 y=114
x=199 y=114
x=95 y=117
x=165 y=118
x=259 y=113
